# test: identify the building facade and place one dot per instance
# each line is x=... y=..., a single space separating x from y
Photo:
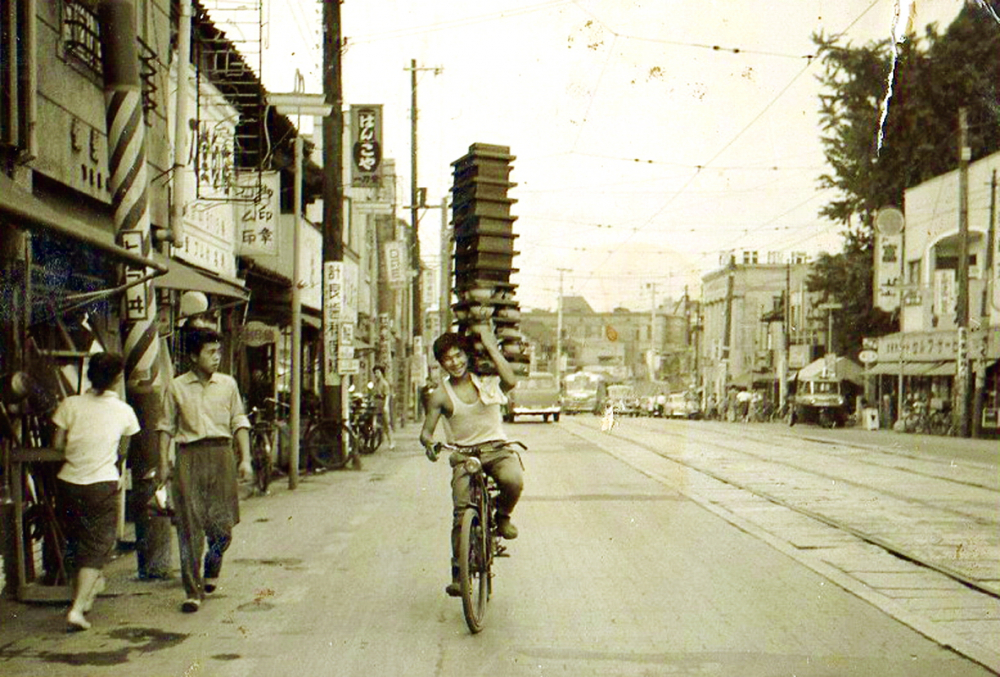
x=741 y=345
x=922 y=361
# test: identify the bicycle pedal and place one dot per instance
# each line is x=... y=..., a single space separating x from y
x=502 y=552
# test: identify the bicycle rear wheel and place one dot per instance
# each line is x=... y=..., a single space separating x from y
x=323 y=447
x=474 y=569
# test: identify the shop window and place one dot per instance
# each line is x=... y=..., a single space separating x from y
x=81 y=36
x=81 y=43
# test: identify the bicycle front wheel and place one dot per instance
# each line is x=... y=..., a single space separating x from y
x=323 y=448
x=474 y=569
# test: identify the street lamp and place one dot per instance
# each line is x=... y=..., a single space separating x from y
x=297 y=103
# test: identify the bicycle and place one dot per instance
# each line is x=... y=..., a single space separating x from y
x=479 y=543
x=322 y=445
x=365 y=422
x=262 y=438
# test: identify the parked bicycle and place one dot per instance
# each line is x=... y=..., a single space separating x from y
x=479 y=544
x=366 y=421
x=263 y=439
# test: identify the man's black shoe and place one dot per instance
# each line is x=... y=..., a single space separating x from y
x=454 y=589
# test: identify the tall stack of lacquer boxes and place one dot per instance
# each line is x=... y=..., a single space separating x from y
x=484 y=252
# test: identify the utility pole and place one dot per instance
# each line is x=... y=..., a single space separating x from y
x=962 y=320
x=652 y=332
x=991 y=228
x=559 y=321
x=416 y=201
x=333 y=196
x=785 y=337
x=446 y=240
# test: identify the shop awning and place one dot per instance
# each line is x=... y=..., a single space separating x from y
x=187 y=278
x=913 y=369
x=27 y=209
x=941 y=369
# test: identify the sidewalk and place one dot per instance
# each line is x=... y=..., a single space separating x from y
x=130 y=602
x=889 y=439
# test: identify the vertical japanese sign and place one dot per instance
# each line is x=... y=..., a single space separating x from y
x=333 y=305
x=395 y=263
x=889 y=233
x=257 y=210
x=945 y=296
x=888 y=270
x=137 y=297
x=366 y=144
x=351 y=291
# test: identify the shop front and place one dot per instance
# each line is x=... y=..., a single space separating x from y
x=62 y=293
x=919 y=370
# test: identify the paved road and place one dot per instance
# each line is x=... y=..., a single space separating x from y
x=909 y=522
x=617 y=572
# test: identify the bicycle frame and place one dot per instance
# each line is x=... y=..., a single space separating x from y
x=478 y=542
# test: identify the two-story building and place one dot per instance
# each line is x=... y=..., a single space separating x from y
x=741 y=344
x=922 y=360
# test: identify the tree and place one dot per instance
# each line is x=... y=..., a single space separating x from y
x=874 y=159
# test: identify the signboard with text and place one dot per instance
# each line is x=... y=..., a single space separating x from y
x=333 y=304
x=888 y=270
x=137 y=297
x=257 y=210
x=395 y=262
x=366 y=144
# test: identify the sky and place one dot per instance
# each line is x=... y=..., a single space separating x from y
x=652 y=137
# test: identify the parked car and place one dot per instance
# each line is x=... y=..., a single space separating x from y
x=683 y=405
x=536 y=395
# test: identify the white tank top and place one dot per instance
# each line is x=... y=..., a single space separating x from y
x=472 y=424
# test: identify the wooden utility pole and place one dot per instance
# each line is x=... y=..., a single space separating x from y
x=962 y=381
x=559 y=321
x=333 y=192
x=417 y=197
x=985 y=312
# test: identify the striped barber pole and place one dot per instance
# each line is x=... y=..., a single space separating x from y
x=129 y=185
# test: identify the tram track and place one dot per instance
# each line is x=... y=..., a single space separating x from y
x=736 y=466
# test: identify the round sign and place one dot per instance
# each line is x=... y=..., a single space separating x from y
x=868 y=356
x=889 y=221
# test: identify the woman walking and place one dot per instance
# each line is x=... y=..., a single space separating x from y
x=92 y=431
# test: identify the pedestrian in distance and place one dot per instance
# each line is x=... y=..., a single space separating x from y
x=472 y=406
x=383 y=399
x=92 y=431
x=203 y=413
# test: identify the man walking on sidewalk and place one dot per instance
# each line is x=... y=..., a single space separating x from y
x=203 y=412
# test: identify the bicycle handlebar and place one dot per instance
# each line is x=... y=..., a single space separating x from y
x=435 y=449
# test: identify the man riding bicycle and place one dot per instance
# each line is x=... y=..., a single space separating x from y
x=471 y=404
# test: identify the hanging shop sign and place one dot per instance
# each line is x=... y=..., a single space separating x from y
x=395 y=262
x=889 y=227
x=366 y=144
x=945 y=294
x=257 y=210
x=256 y=334
x=888 y=271
x=311 y=266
